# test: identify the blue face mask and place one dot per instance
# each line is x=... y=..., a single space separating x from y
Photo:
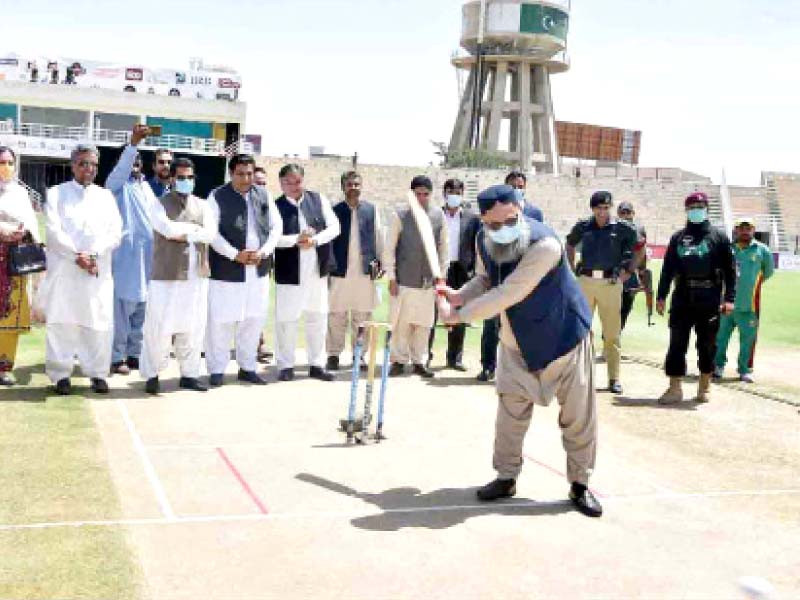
x=697 y=215
x=506 y=235
x=184 y=186
x=453 y=201
x=520 y=197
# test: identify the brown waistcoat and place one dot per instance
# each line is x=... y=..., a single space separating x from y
x=170 y=259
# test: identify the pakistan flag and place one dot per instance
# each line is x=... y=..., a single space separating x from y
x=538 y=18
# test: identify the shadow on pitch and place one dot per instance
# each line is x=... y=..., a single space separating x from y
x=626 y=402
x=439 y=509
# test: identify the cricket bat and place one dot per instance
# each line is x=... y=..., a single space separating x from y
x=426 y=233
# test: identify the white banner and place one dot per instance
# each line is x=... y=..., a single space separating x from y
x=789 y=262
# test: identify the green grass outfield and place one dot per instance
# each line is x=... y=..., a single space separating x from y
x=54 y=469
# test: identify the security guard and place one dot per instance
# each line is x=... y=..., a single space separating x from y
x=607 y=261
x=625 y=212
x=754 y=265
x=700 y=258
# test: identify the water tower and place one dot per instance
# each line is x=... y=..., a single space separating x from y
x=513 y=47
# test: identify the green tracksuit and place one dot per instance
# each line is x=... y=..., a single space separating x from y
x=754 y=265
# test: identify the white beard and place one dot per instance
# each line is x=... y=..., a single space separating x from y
x=508 y=253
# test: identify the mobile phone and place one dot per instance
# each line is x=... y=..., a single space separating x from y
x=156 y=130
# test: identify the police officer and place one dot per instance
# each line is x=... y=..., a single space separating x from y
x=607 y=261
x=626 y=213
x=700 y=259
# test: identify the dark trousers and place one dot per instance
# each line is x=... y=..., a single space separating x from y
x=628 y=298
x=457 y=276
x=705 y=322
x=489 y=340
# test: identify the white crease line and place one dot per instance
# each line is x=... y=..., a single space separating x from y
x=485 y=507
x=149 y=469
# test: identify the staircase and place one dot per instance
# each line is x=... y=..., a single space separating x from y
x=37 y=201
x=776 y=214
x=715 y=212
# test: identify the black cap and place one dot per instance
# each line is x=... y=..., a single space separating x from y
x=625 y=206
x=422 y=181
x=600 y=198
x=504 y=194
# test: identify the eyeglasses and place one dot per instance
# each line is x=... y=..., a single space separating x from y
x=86 y=164
x=184 y=177
x=512 y=222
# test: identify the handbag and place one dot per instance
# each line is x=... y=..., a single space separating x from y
x=26 y=258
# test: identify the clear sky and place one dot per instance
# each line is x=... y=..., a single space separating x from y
x=711 y=83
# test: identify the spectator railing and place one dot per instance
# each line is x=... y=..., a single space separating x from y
x=114 y=137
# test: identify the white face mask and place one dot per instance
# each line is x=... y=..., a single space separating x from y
x=453 y=201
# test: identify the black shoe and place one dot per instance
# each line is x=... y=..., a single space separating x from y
x=133 y=363
x=423 y=372
x=332 y=364
x=485 y=375
x=99 y=386
x=321 y=374
x=191 y=383
x=396 y=370
x=286 y=375
x=6 y=380
x=583 y=499
x=120 y=368
x=64 y=387
x=152 y=386
x=457 y=366
x=215 y=380
x=499 y=488
x=250 y=377
x=615 y=387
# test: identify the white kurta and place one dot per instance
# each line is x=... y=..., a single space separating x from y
x=356 y=291
x=312 y=293
x=178 y=308
x=80 y=220
x=232 y=302
x=16 y=209
x=181 y=306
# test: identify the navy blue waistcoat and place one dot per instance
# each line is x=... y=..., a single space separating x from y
x=287 y=260
x=366 y=237
x=233 y=223
x=554 y=318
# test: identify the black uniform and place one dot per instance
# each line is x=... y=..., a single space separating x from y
x=700 y=260
x=632 y=286
x=459 y=272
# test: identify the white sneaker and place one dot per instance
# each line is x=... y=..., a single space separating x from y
x=719 y=372
x=746 y=378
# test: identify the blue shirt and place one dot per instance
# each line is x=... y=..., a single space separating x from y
x=132 y=260
x=533 y=212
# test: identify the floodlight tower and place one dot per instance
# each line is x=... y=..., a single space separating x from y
x=513 y=47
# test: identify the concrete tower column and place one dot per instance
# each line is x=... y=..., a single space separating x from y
x=524 y=137
x=497 y=105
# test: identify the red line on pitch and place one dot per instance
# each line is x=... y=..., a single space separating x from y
x=560 y=473
x=245 y=486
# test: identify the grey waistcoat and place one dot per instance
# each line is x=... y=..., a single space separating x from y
x=411 y=263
